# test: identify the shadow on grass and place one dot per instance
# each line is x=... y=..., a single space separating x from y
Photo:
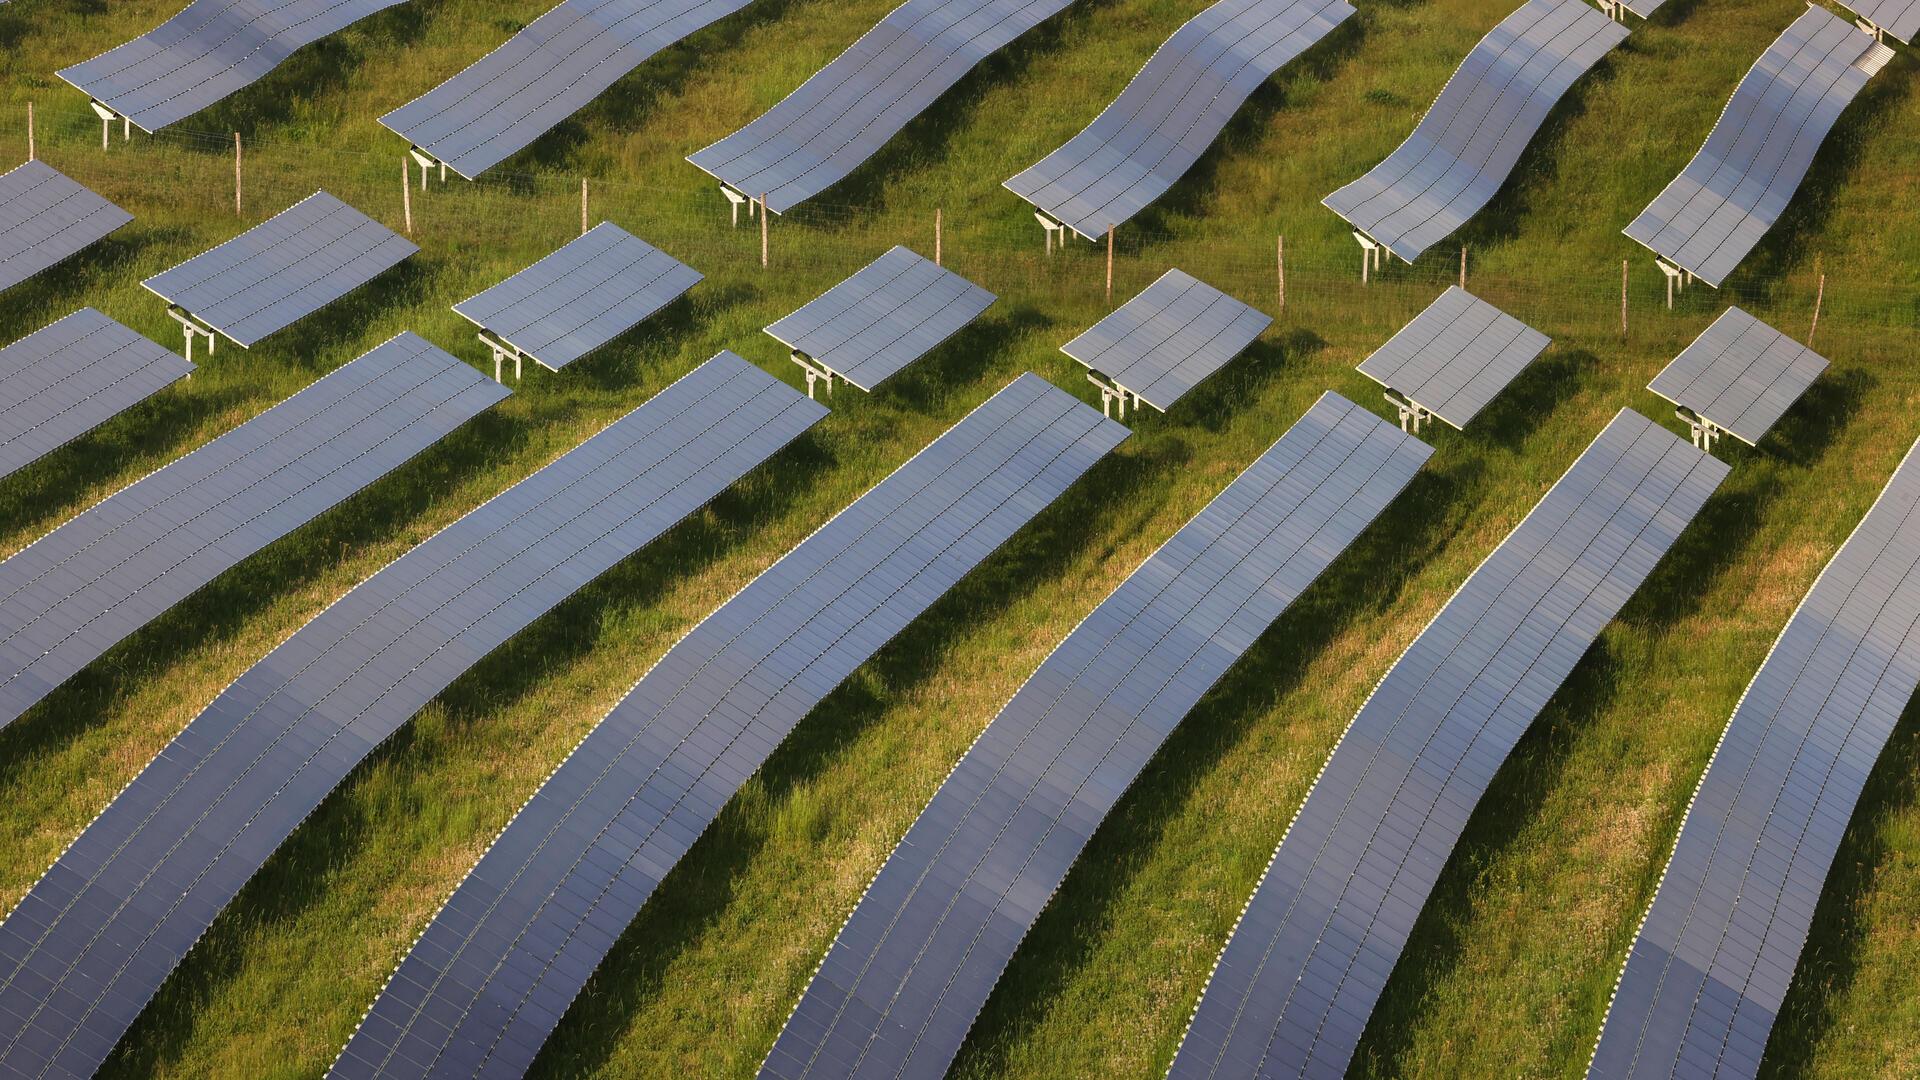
x=962 y=360
x=1518 y=411
x=1213 y=404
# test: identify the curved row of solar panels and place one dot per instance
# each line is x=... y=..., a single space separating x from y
x=283 y=269
x=849 y=109
x=1172 y=110
x=1709 y=968
x=60 y=382
x=86 y=586
x=46 y=217
x=582 y=296
x=542 y=75
x=1463 y=150
x=97 y=935
x=1740 y=376
x=1739 y=183
x=212 y=49
x=1899 y=18
x=890 y=313
x=1292 y=990
x=499 y=964
x=1455 y=357
x=1167 y=340
x=916 y=960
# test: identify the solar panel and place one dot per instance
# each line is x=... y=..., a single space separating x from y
x=1453 y=359
x=1466 y=146
x=577 y=299
x=46 y=217
x=210 y=50
x=916 y=961
x=849 y=109
x=1740 y=376
x=89 y=584
x=1293 y=988
x=63 y=381
x=1172 y=111
x=494 y=971
x=1900 y=18
x=1736 y=187
x=542 y=75
x=281 y=270
x=889 y=314
x=1711 y=963
x=1166 y=341
x=96 y=936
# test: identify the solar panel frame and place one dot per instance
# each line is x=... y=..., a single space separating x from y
x=1899 y=18
x=66 y=379
x=283 y=269
x=1455 y=357
x=96 y=936
x=1172 y=111
x=1742 y=178
x=1168 y=339
x=497 y=967
x=1466 y=146
x=47 y=217
x=888 y=314
x=919 y=955
x=1740 y=375
x=1296 y=981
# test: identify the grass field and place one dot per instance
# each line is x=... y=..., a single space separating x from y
x=1509 y=970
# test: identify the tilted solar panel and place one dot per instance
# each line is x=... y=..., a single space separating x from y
x=59 y=383
x=1172 y=111
x=849 y=109
x=890 y=313
x=283 y=269
x=1455 y=357
x=499 y=964
x=98 y=934
x=212 y=49
x=582 y=296
x=1739 y=183
x=46 y=217
x=1167 y=340
x=1710 y=966
x=1468 y=143
x=84 y=587
x=542 y=75
x=1900 y=18
x=918 y=957
x=1741 y=376
x=1292 y=990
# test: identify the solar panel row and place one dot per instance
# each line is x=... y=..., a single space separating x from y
x=890 y=313
x=46 y=217
x=84 y=587
x=1901 y=18
x=915 y=962
x=1294 y=986
x=1740 y=376
x=542 y=75
x=499 y=964
x=210 y=50
x=1167 y=340
x=63 y=381
x=1172 y=110
x=1454 y=358
x=849 y=109
x=1736 y=187
x=582 y=296
x=1468 y=143
x=96 y=936
x=1711 y=963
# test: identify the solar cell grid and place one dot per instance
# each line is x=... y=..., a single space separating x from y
x=1455 y=357
x=1293 y=988
x=1172 y=110
x=915 y=962
x=887 y=315
x=1900 y=18
x=63 y=381
x=97 y=935
x=1170 y=338
x=1709 y=968
x=1468 y=143
x=500 y=963
x=46 y=217
x=1741 y=375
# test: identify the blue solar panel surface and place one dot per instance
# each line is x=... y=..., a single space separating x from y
x=59 y=383
x=1168 y=339
x=45 y=217
x=890 y=313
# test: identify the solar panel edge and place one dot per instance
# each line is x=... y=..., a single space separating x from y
x=164 y=366
x=120 y=217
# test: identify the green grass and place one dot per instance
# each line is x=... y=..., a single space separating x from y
x=1509 y=970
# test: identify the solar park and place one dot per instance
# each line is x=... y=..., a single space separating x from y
x=672 y=713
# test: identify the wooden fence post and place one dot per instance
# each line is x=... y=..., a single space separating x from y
x=583 y=206
x=1623 y=299
x=31 y=151
x=1819 y=299
x=939 y=216
x=1109 y=266
x=237 y=211
x=764 y=249
x=1463 y=266
x=406 y=192
x=1282 y=255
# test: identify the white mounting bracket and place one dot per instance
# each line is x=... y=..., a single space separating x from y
x=1411 y=414
x=107 y=117
x=1053 y=229
x=1114 y=398
x=815 y=373
x=191 y=327
x=1372 y=255
x=1615 y=9
x=1705 y=432
x=1675 y=275
x=738 y=200
x=502 y=352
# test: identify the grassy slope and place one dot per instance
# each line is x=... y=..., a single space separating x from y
x=1509 y=971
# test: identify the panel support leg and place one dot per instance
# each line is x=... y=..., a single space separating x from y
x=1412 y=416
x=815 y=373
x=191 y=328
